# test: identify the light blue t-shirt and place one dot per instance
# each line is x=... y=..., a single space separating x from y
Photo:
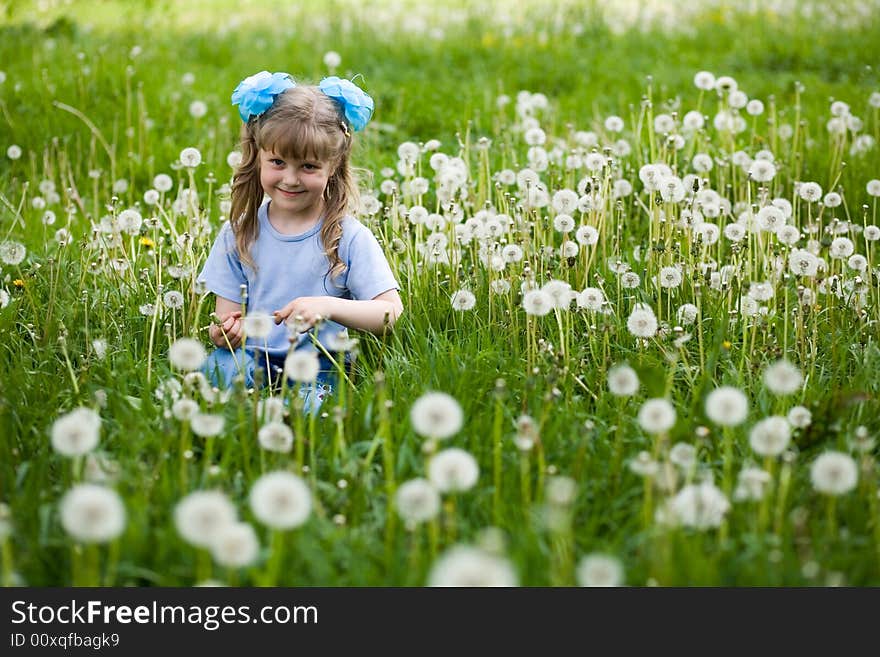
x=291 y=266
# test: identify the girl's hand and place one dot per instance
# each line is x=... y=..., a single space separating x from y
x=304 y=312
x=229 y=329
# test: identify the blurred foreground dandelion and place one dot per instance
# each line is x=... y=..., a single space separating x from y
x=599 y=570
x=92 y=513
x=436 y=415
x=453 y=470
x=76 y=433
x=834 y=473
x=202 y=515
x=417 y=501
x=281 y=500
x=187 y=354
x=464 y=565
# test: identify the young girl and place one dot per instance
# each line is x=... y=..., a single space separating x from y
x=298 y=257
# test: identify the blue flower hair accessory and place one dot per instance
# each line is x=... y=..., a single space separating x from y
x=356 y=105
x=255 y=94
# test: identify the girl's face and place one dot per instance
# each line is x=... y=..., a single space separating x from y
x=296 y=187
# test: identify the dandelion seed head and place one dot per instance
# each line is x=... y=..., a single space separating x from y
x=453 y=470
x=202 y=515
x=463 y=300
x=436 y=415
x=207 y=424
x=727 y=406
x=656 y=416
x=642 y=322
x=187 y=354
x=599 y=570
x=302 y=366
x=281 y=500
x=464 y=565
x=12 y=253
x=76 y=433
x=417 y=501
x=235 y=545
x=623 y=381
x=190 y=158
x=834 y=473
x=770 y=436
x=275 y=436
x=91 y=513
x=701 y=506
x=782 y=378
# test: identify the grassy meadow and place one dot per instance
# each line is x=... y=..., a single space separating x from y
x=637 y=247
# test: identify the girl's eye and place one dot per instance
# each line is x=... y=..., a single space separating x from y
x=277 y=162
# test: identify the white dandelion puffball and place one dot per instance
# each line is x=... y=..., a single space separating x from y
x=417 y=501
x=130 y=221
x=751 y=484
x=701 y=506
x=206 y=425
x=234 y=158
x=258 y=325
x=281 y=500
x=163 y=182
x=642 y=322
x=599 y=570
x=76 y=433
x=187 y=354
x=834 y=473
x=623 y=381
x=197 y=109
x=92 y=513
x=173 y=299
x=463 y=300
x=200 y=517
x=190 y=158
x=332 y=59
x=782 y=378
x=770 y=436
x=684 y=455
x=436 y=415
x=302 y=366
x=184 y=409
x=463 y=565
x=537 y=302
x=799 y=417
x=235 y=545
x=704 y=80
x=12 y=253
x=727 y=406
x=453 y=470
x=656 y=416
x=276 y=437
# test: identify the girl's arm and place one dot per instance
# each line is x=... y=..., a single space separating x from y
x=375 y=315
x=228 y=333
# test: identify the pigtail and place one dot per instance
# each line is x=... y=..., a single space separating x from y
x=247 y=196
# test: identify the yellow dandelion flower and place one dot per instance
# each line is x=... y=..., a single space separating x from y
x=18 y=282
x=146 y=241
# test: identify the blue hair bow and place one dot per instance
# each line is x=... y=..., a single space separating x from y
x=255 y=94
x=356 y=105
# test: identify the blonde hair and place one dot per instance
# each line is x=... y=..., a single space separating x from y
x=302 y=124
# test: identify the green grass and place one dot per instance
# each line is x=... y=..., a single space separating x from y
x=443 y=88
